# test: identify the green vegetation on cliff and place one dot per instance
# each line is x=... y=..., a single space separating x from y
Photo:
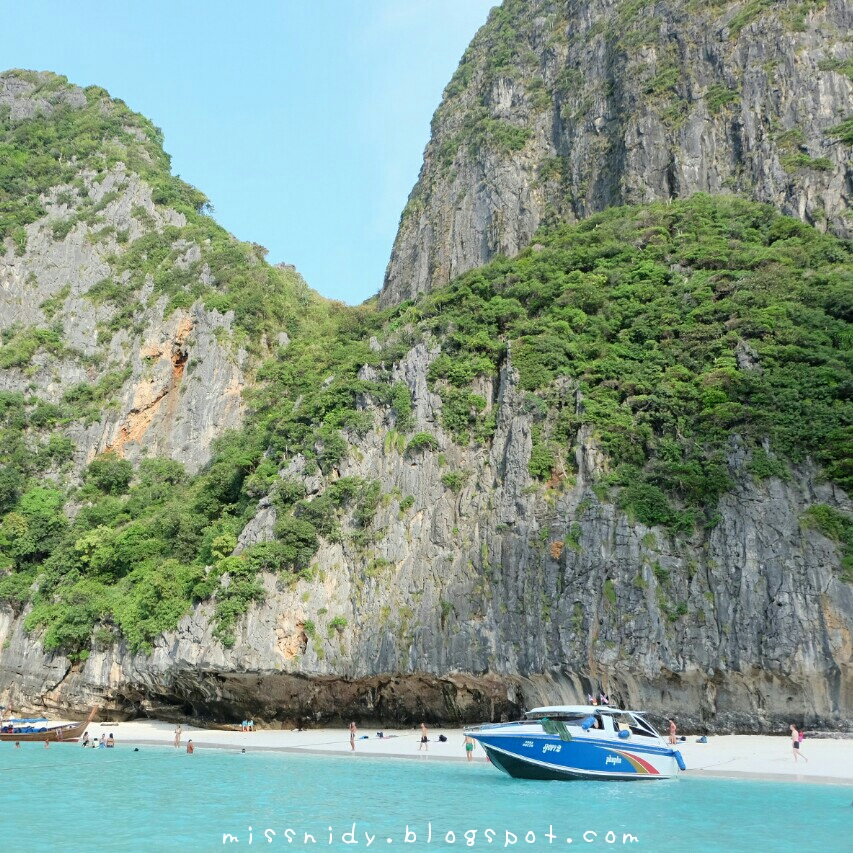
x=668 y=330
x=676 y=336
x=143 y=546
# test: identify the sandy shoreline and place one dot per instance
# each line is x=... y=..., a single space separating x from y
x=830 y=761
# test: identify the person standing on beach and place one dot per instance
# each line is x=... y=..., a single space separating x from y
x=352 y=731
x=177 y=735
x=424 y=739
x=795 y=744
x=672 y=730
x=469 y=746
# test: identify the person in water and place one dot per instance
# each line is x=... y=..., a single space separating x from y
x=190 y=747
x=111 y=741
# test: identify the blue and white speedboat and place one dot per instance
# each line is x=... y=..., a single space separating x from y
x=579 y=742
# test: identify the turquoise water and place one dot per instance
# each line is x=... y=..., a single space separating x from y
x=69 y=799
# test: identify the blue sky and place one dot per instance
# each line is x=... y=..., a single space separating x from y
x=304 y=121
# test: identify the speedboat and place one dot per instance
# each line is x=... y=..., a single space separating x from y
x=579 y=742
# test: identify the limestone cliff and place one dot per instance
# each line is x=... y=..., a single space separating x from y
x=562 y=108
x=471 y=607
x=418 y=566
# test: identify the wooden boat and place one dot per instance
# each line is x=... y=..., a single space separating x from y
x=66 y=732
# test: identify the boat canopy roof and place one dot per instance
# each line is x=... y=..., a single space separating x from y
x=579 y=709
x=25 y=720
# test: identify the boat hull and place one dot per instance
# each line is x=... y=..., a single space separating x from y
x=547 y=757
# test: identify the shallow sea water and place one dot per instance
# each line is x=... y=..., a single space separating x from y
x=69 y=799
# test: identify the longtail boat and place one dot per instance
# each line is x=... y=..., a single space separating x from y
x=65 y=732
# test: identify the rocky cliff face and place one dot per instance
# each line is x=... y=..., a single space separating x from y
x=472 y=605
x=561 y=108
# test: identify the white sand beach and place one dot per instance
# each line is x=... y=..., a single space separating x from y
x=830 y=760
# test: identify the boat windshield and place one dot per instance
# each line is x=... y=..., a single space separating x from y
x=569 y=717
x=637 y=725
